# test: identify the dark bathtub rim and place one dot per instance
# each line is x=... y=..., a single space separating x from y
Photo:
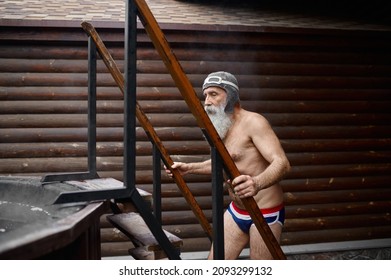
x=53 y=236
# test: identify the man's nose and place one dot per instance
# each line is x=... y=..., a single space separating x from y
x=207 y=101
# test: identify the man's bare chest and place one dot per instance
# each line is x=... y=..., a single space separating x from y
x=238 y=147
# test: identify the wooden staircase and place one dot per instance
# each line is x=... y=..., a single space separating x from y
x=146 y=246
x=126 y=219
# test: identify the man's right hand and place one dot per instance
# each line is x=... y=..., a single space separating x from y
x=180 y=166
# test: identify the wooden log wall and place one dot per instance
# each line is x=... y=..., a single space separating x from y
x=327 y=94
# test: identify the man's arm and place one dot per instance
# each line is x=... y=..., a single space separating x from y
x=271 y=150
x=191 y=168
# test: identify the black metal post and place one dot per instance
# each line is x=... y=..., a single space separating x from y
x=130 y=97
x=157 y=186
x=92 y=107
x=217 y=205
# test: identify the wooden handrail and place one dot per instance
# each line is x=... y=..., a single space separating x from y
x=146 y=124
x=183 y=83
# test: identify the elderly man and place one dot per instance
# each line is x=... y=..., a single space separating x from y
x=260 y=159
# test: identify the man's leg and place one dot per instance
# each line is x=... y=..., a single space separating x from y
x=234 y=239
x=258 y=248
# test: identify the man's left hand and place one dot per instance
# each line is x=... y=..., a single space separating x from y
x=244 y=186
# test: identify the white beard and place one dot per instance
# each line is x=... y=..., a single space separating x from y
x=219 y=118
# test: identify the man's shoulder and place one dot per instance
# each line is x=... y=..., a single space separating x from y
x=254 y=116
x=254 y=122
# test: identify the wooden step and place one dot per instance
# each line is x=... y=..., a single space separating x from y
x=134 y=227
x=97 y=184
x=124 y=204
x=141 y=253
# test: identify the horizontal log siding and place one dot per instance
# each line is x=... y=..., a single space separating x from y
x=326 y=93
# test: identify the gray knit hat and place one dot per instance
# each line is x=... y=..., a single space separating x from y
x=226 y=81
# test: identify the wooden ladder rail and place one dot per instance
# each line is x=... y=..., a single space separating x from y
x=183 y=83
x=146 y=124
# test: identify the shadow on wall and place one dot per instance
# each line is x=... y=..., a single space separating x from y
x=376 y=11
